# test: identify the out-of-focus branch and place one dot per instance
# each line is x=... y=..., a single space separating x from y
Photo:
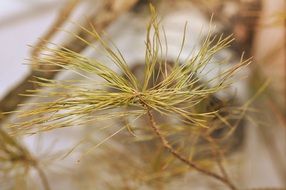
x=111 y=11
x=270 y=63
x=63 y=16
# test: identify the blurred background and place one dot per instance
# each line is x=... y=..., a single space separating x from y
x=21 y=24
x=259 y=28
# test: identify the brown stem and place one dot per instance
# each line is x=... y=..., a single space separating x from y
x=167 y=145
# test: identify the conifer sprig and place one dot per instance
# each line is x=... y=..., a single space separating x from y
x=176 y=94
x=170 y=90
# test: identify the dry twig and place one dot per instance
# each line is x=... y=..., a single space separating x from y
x=101 y=20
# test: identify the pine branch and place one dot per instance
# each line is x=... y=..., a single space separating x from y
x=106 y=16
x=193 y=165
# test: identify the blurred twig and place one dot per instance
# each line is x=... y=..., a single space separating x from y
x=110 y=12
x=12 y=152
x=167 y=145
x=62 y=17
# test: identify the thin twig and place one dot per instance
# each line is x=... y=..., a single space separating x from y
x=167 y=145
x=43 y=177
x=218 y=155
